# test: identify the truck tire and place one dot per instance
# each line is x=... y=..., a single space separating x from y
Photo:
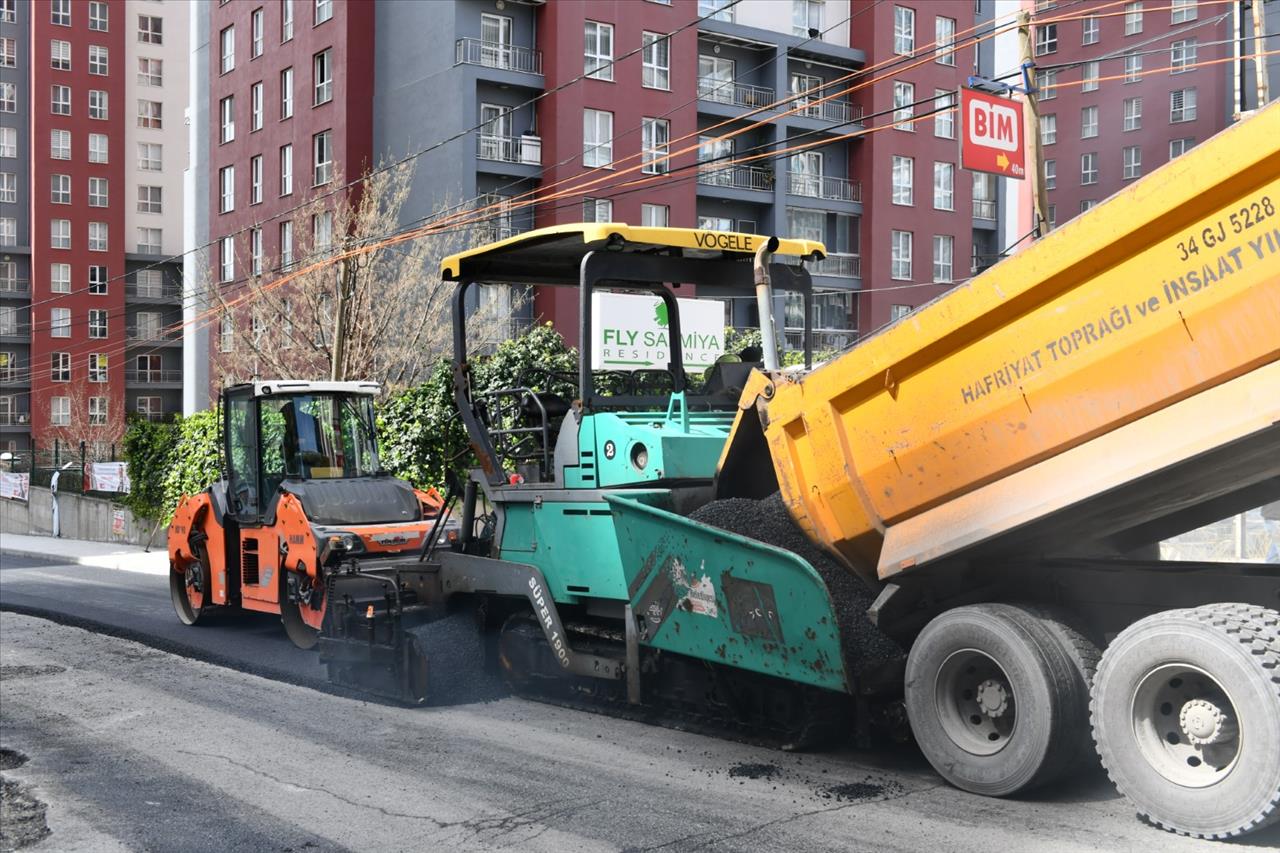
x=1084 y=655
x=1186 y=718
x=995 y=700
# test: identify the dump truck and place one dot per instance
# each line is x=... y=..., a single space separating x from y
x=989 y=475
x=302 y=490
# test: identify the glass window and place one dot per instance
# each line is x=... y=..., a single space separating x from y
x=1088 y=169
x=944 y=30
x=1182 y=105
x=97 y=148
x=8 y=53
x=60 y=362
x=60 y=144
x=1089 y=77
x=1182 y=56
x=149 y=283
x=904 y=30
x=98 y=362
x=324 y=11
x=943 y=258
x=944 y=122
x=1132 y=67
x=150 y=199
x=9 y=11
x=597 y=210
x=226 y=259
x=716 y=10
x=60 y=189
x=149 y=241
x=286 y=20
x=1132 y=18
x=1183 y=11
x=60 y=233
x=1132 y=162
x=286 y=170
x=286 y=93
x=60 y=278
x=227 y=184
x=151 y=114
x=1046 y=82
x=8 y=142
x=60 y=322
x=1046 y=39
x=900 y=265
x=8 y=231
x=60 y=55
x=150 y=72
x=1178 y=147
x=98 y=236
x=903 y=179
x=322 y=75
x=1132 y=113
x=597 y=138
x=98 y=63
x=255 y=179
x=98 y=195
x=150 y=29
x=97 y=104
x=227 y=118
x=255 y=32
x=1050 y=174
x=8 y=188
x=1091 y=26
x=598 y=50
x=286 y=245
x=98 y=280
x=654 y=147
x=806 y=16
x=255 y=107
x=227 y=39
x=322 y=230
x=60 y=13
x=1048 y=129
x=944 y=186
x=655 y=215
x=322 y=157
x=8 y=98
x=150 y=157
x=657 y=61
x=97 y=411
x=60 y=411
x=904 y=96
x=60 y=100
x=98 y=16
x=255 y=251
x=1088 y=122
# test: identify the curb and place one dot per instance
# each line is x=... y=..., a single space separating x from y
x=116 y=562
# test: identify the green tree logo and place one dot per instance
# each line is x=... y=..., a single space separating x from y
x=660 y=314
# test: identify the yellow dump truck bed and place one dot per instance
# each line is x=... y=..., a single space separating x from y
x=1103 y=383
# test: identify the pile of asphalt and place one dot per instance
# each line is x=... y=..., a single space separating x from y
x=865 y=647
x=754 y=771
x=457 y=665
x=22 y=816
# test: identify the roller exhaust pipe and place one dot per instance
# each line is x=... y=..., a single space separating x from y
x=764 y=303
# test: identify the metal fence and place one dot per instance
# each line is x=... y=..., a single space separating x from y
x=71 y=458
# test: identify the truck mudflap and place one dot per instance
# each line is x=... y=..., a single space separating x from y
x=711 y=594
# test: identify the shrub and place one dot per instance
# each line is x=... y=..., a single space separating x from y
x=197 y=458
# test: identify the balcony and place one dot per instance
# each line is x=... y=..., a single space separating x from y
x=983 y=209
x=14 y=287
x=737 y=177
x=15 y=330
x=153 y=335
x=526 y=150
x=730 y=92
x=824 y=187
x=167 y=292
x=838 y=265
x=824 y=340
x=490 y=54
x=839 y=112
x=21 y=419
x=15 y=375
x=152 y=377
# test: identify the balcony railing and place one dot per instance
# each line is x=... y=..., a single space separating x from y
x=147 y=377
x=151 y=333
x=730 y=92
x=824 y=340
x=14 y=285
x=151 y=291
x=15 y=418
x=15 y=329
x=736 y=177
x=510 y=149
x=491 y=54
x=983 y=209
x=833 y=110
x=155 y=416
x=15 y=374
x=824 y=186
x=839 y=265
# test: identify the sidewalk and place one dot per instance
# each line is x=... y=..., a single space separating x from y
x=105 y=555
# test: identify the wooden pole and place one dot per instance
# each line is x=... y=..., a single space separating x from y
x=1035 y=160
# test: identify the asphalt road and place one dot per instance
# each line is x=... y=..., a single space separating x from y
x=142 y=747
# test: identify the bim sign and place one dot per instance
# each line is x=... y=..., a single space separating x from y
x=991 y=134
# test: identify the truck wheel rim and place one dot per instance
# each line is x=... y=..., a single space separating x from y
x=1186 y=725
x=974 y=701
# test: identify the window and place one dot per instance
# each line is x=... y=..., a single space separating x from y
x=98 y=196
x=60 y=233
x=897 y=312
x=1178 y=147
x=98 y=280
x=150 y=200
x=8 y=188
x=286 y=170
x=900 y=265
x=597 y=210
x=150 y=72
x=255 y=251
x=322 y=75
x=226 y=333
x=1088 y=122
x=150 y=30
x=904 y=95
x=286 y=20
x=227 y=39
x=944 y=186
x=255 y=107
x=1091 y=28
x=324 y=11
x=150 y=408
x=149 y=241
x=98 y=367
x=97 y=148
x=150 y=283
x=8 y=98
x=60 y=13
x=150 y=325
x=1182 y=105
x=1088 y=169
x=60 y=55
x=904 y=30
x=60 y=278
x=1132 y=113
x=255 y=34
x=8 y=12
x=60 y=362
x=984 y=195
x=227 y=112
x=1132 y=18
x=8 y=142
x=60 y=100
x=1046 y=39
x=98 y=236
x=1132 y=67
x=655 y=135
x=255 y=179
x=903 y=179
x=1132 y=162
x=1089 y=75
x=286 y=245
x=1182 y=56
x=150 y=157
x=806 y=16
x=286 y=93
x=151 y=114
x=98 y=104
x=227 y=182
x=944 y=122
x=597 y=51
x=8 y=53
x=60 y=144
x=1050 y=174
x=60 y=411
x=1048 y=129
x=8 y=231
x=60 y=189
x=98 y=60
x=655 y=215
x=322 y=157
x=943 y=258
x=1182 y=11
x=98 y=16
x=226 y=259
x=97 y=411
x=60 y=322
x=944 y=30
x=1046 y=82
x=597 y=138
x=322 y=230
x=657 y=61
x=715 y=10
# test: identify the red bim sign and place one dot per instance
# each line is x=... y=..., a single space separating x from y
x=991 y=134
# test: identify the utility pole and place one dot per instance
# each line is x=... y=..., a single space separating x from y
x=1039 y=197
x=1259 y=48
x=337 y=371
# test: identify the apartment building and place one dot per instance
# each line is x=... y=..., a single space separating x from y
x=91 y=100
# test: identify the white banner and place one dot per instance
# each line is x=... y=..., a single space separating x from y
x=108 y=477
x=630 y=332
x=15 y=486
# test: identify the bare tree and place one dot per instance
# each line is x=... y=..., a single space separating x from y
x=381 y=315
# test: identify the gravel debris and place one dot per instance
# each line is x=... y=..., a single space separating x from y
x=13 y=672
x=754 y=771
x=865 y=790
x=456 y=662
x=22 y=817
x=11 y=759
x=768 y=521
